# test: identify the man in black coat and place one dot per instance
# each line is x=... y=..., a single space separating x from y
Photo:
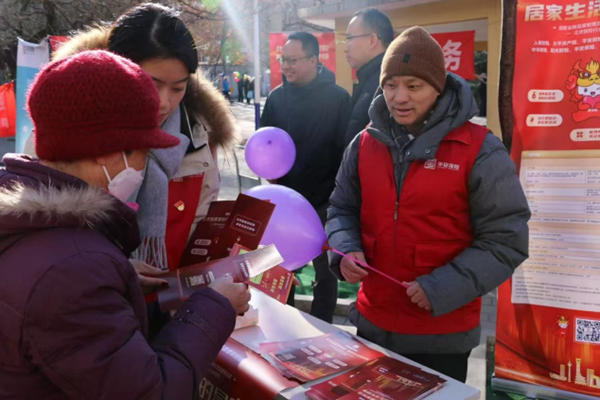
x=315 y=112
x=241 y=89
x=369 y=34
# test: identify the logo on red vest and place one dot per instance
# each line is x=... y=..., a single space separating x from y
x=430 y=164
x=433 y=164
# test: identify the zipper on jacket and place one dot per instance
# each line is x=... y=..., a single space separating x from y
x=396 y=212
x=398 y=188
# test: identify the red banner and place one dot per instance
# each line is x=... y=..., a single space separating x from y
x=459 y=51
x=57 y=41
x=8 y=110
x=548 y=330
x=277 y=41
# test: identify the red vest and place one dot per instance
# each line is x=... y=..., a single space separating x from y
x=184 y=196
x=423 y=230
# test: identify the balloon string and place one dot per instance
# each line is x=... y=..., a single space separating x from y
x=365 y=265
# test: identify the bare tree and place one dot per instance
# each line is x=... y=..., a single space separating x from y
x=217 y=35
x=33 y=20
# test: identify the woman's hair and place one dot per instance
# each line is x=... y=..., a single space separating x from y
x=153 y=31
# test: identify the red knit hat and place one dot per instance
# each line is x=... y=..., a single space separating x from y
x=94 y=103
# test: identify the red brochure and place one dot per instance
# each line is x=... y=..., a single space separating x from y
x=206 y=234
x=317 y=357
x=245 y=226
x=382 y=379
x=276 y=282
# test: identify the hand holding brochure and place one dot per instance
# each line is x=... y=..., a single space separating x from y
x=185 y=281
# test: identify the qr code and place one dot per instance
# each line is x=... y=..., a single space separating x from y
x=587 y=331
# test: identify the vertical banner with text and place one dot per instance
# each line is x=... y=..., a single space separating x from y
x=277 y=41
x=548 y=332
x=30 y=58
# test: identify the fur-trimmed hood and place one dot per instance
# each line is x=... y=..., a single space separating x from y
x=202 y=100
x=50 y=206
x=34 y=197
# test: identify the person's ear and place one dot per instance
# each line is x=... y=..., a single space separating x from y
x=373 y=39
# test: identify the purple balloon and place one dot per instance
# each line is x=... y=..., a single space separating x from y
x=295 y=228
x=270 y=153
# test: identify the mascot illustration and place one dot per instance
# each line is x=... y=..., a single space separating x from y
x=563 y=324
x=584 y=86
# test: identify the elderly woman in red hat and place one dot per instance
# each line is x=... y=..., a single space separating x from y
x=73 y=322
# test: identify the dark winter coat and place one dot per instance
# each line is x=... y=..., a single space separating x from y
x=362 y=96
x=73 y=320
x=316 y=117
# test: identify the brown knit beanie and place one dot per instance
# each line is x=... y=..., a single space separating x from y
x=415 y=53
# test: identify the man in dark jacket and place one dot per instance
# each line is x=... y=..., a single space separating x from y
x=432 y=200
x=314 y=111
x=73 y=321
x=369 y=34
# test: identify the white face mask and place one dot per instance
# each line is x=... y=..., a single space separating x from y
x=126 y=183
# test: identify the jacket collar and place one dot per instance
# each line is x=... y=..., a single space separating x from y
x=454 y=108
x=324 y=77
x=36 y=197
x=370 y=69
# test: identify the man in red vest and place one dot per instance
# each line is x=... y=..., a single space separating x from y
x=432 y=200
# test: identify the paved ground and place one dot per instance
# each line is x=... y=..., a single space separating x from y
x=244 y=114
x=230 y=188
